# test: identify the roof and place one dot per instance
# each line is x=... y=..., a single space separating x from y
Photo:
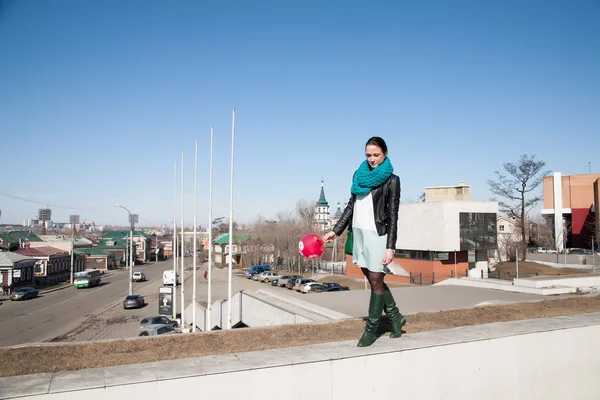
x=237 y=238
x=117 y=243
x=8 y=259
x=25 y=235
x=7 y=238
x=123 y=234
x=93 y=251
x=51 y=250
x=322 y=202
x=32 y=252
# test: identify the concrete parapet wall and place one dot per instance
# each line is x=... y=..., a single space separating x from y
x=560 y=258
x=552 y=358
x=546 y=282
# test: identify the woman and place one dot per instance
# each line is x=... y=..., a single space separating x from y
x=372 y=217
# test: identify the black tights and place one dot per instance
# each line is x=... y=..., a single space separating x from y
x=375 y=280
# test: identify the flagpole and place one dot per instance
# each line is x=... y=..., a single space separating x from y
x=230 y=275
x=195 y=239
x=182 y=253
x=208 y=326
x=174 y=295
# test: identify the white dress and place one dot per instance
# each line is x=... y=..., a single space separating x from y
x=369 y=248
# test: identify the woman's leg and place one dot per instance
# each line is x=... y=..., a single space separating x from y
x=376 y=304
x=375 y=280
x=397 y=320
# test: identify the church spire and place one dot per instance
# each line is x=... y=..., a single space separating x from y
x=322 y=202
x=338 y=212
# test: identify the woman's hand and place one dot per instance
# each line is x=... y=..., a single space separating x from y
x=329 y=236
x=389 y=256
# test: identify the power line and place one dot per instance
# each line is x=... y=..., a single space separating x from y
x=54 y=205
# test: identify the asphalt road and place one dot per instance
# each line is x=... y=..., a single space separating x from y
x=55 y=313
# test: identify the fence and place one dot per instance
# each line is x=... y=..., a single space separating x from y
x=420 y=278
x=511 y=275
x=334 y=268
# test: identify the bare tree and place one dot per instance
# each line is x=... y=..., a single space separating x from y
x=515 y=190
x=507 y=244
x=306 y=212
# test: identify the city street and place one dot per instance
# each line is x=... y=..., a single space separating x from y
x=73 y=314
x=55 y=313
x=114 y=322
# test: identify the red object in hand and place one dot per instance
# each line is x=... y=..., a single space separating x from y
x=311 y=246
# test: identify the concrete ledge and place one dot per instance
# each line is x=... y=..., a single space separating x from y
x=508 y=286
x=574 y=281
x=561 y=351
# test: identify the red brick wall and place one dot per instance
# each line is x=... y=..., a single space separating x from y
x=441 y=270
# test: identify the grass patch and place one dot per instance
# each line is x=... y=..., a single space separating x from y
x=75 y=356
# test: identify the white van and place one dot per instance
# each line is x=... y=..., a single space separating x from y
x=169 y=278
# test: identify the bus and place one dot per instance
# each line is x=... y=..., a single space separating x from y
x=88 y=278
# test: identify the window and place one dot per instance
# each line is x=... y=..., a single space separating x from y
x=501 y=228
x=478 y=231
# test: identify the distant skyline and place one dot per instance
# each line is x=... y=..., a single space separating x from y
x=98 y=99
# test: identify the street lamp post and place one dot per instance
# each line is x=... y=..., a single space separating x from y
x=74 y=220
x=132 y=219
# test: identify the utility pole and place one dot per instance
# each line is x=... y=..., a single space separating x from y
x=133 y=218
x=593 y=256
x=74 y=220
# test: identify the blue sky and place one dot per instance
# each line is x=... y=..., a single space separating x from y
x=98 y=99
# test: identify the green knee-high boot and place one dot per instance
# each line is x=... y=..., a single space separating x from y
x=375 y=308
x=397 y=320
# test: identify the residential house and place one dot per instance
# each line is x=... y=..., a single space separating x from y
x=165 y=246
x=52 y=265
x=118 y=247
x=16 y=270
x=8 y=242
x=141 y=242
x=222 y=251
x=24 y=238
x=99 y=259
x=509 y=236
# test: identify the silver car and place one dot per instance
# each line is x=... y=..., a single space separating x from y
x=157 y=320
x=158 y=329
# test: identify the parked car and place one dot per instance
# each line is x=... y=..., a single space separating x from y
x=139 y=277
x=330 y=285
x=577 y=251
x=291 y=283
x=305 y=288
x=23 y=293
x=275 y=282
x=284 y=279
x=546 y=250
x=250 y=274
x=316 y=288
x=300 y=282
x=267 y=276
x=260 y=268
x=158 y=329
x=335 y=289
x=256 y=277
x=134 y=301
x=157 y=320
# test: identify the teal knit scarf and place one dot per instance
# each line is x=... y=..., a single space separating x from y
x=366 y=178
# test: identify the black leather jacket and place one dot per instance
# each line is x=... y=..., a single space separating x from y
x=386 y=201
